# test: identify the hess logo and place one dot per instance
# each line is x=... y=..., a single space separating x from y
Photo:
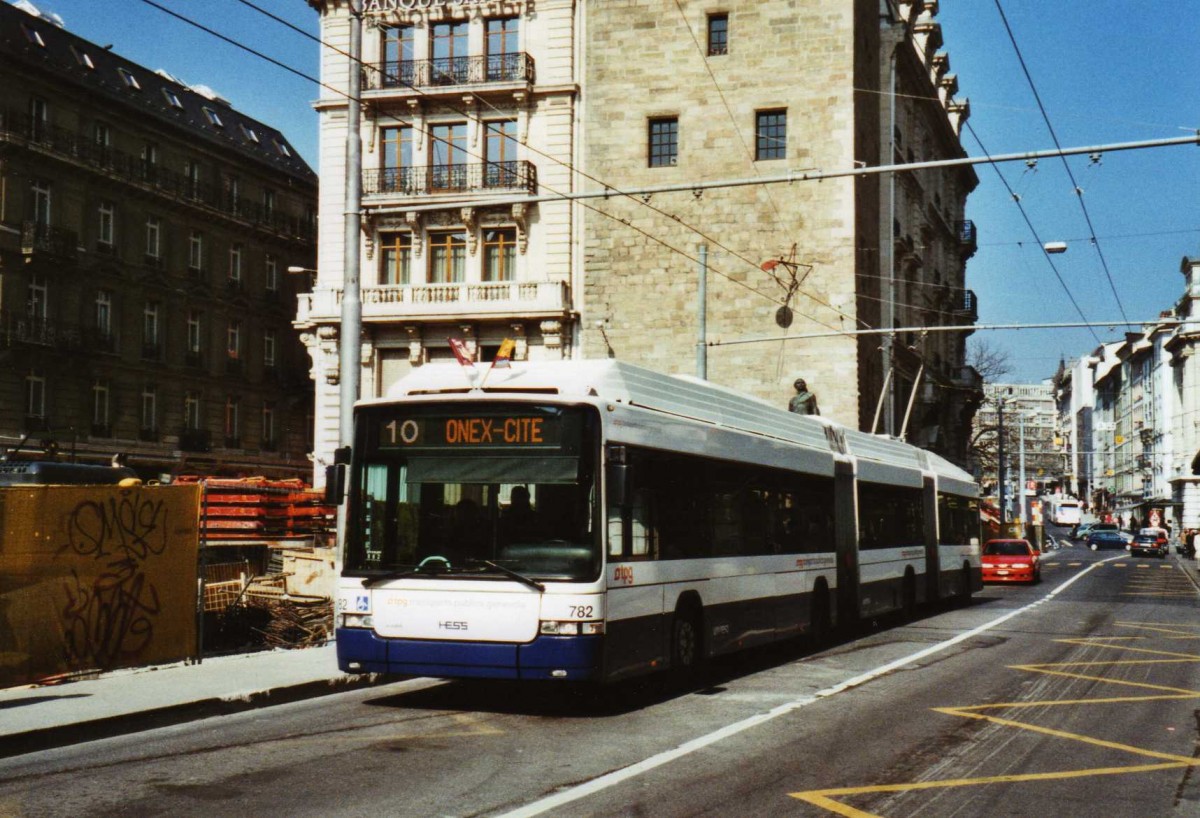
x=453 y=626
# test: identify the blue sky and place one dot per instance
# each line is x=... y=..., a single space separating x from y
x=1107 y=71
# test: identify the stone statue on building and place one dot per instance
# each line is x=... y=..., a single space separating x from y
x=805 y=402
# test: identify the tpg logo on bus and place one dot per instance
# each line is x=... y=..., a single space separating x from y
x=623 y=574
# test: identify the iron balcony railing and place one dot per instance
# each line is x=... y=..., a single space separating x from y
x=195 y=440
x=967 y=309
x=447 y=71
x=21 y=329
x=431 y=179
x=42 y=238
x=20 y=128
x=967 y=238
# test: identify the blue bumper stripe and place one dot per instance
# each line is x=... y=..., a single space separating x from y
x=578 y=656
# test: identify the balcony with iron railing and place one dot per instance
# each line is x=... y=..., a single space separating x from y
x=39 y=239
x=492 y=299
x=968 y=240
x=967 y=308
x=195 y=440
x=79 y=151
x=451 y=74
x=431 y=180
x=22 y=329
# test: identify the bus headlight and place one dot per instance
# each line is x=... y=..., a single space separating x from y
x=554 y=627
x=357 y=620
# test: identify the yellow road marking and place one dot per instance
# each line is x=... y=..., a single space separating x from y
x=826 y=798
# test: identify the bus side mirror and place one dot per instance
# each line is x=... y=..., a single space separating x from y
x=617 y=476
x=335 y=476
x=335 y=484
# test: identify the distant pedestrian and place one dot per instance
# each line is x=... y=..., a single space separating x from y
x=804 y=402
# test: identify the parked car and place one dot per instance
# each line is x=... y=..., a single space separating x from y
x=1150 y=545
x=1105 y=538
x=1010 y=561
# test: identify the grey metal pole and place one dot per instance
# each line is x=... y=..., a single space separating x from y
x=1000 y=460
x=702 y=307
x=350 y=342
x=1021 y=491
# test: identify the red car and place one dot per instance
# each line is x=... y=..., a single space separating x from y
x=1011 y=561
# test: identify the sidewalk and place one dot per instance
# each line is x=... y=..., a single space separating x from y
x=38 y=717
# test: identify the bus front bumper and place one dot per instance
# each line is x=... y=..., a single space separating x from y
x=559 y=658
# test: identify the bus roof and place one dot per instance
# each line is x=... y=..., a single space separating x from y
x=678 y=395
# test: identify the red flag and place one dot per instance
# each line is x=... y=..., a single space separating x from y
x=459 y=348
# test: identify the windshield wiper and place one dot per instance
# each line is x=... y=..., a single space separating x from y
x=412 y=572
x=508 y=572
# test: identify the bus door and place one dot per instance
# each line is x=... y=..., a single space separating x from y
x=933 y=559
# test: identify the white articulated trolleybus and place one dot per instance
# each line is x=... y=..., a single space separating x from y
x=592 y=520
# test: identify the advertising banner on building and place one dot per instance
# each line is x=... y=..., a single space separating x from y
x=96 y=577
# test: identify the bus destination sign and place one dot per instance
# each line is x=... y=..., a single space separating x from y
x=471 y=431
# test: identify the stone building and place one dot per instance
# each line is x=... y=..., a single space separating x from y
x=472 y=106
x=145 y=232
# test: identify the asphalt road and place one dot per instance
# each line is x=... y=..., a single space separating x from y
x=1074 y=697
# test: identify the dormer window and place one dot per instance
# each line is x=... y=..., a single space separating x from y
x=249 y=133
x=172 y=98
x=33 y=36
x=213 y=118
x=130 y=80
x=83 y=58
x=282 y=148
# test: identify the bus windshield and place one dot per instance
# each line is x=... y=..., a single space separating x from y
x=454 y=487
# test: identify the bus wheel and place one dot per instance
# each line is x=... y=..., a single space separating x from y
x=687 y=648
x=908 y=603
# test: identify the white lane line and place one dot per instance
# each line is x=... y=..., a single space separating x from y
x=596 y=785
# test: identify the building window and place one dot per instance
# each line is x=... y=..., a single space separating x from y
x=195 y=332
x=233 y=192
x=396 y=258
x=191 y=172
x=100 y=406
x=235 y=264
x=268 y=426
x=269 y=348
x=282 y=149
x=104 y=233
x=102 y=135
x=104 y=313
x=233 y=340
x=447 y=257
x=271 y=273
x=192 y=411
x=770 y=135
x=35 y=396
x=500 y=254
x=153 y=238
x=213 y=117
x=39 y=117
x=196 y=251
x=269 y=203
x=129 y=79
x=150 y=331
x=83 y=58
x=449 y=152
x=172 y=99
x=233 y=420
x=503 y=44
x=149 y=410
x=718 y=34
x=664 y=142
x=33 y=36
x=41 y=202
x=35 y=305
x=501 y=153
x=249 y=133
x=450 y=53
x=150 y=161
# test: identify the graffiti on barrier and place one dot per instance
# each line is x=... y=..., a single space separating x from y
x=111 y=609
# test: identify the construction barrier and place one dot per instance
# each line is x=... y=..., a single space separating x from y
x=96 y=578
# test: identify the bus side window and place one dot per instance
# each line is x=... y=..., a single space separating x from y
x=643 y=537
